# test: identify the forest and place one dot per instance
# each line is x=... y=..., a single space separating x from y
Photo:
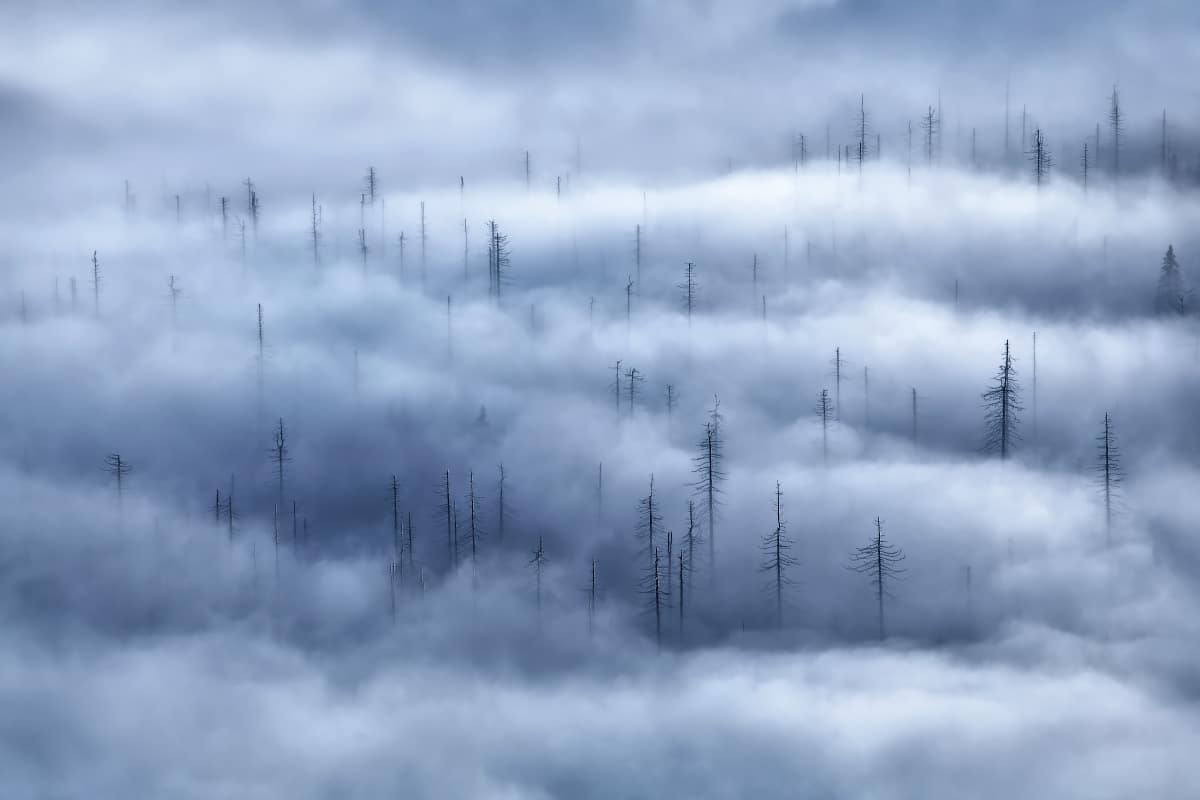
x=389 y=414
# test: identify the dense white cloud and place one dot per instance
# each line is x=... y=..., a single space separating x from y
x=152 y=646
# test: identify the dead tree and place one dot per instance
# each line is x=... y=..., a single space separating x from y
x=692 y=541
x=538 y=562
x=634 y=379
x=280 y=455
x=879 y=561
x=688 y=287
x=649 y=522
x=393 y=574
x=670 y=563
x=371 y=183
x=117 y=467
x=837 y=365
x=473 y=519
x=95 y=284
x=411 y=551
x=1083 y=161
x=707 y=467
x=592 y=600
x=503 y=508
x=400 y=255
x=230 y=514
x=1116 y=127
x=681 y=589
x=1109 y=474
x=1002 y=406
x=498 y=259
x=861 y=131
x=628 y=302
x=224 y=219
x=397 y=533
x=824 y=411
x=173 y=291
x=929 y=124
x=616 y=386
x=777 y=557
x=637 y=253
x=447 y=513
x=1039 y=156
x=652 y=586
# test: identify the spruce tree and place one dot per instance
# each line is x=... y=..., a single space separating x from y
x=1171 y=297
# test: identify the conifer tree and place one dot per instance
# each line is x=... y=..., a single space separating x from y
x=707 y=466
x=879 y=561
x=777 y=558
x=1109 y=474
x=1171 y=296
x=1002 y=406
x=824 y=410
x=649 y=525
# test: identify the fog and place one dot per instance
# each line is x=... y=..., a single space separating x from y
x=452 y=577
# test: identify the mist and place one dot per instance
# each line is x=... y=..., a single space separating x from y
x=599 y=400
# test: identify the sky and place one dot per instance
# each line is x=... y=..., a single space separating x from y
x=444 y=582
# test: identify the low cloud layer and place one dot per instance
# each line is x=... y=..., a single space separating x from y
x=451 y=590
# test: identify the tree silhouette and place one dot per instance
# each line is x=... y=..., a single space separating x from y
x=474 y=528
x=707 y=466
x=95 y=284
x=1171 y=296
x=371 y=184
x=692 y=540
x=879 y=561
x=447 y=513
x=1039 y=156
x=777 y=558
x=929 y=124
x=1002 y=406
x=1109 y=474
x=616 y=387
x=280 y=455
x=837 y=366
x=861 y=130
x=824 y=411
x=652 y=587
x=498 y=259
x=592 y=600
x=649 y=524
x=117 y=467
x=1116 y=126
x=688 y=288
x=538 y=562
x=503 y=507
x=633 y=379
